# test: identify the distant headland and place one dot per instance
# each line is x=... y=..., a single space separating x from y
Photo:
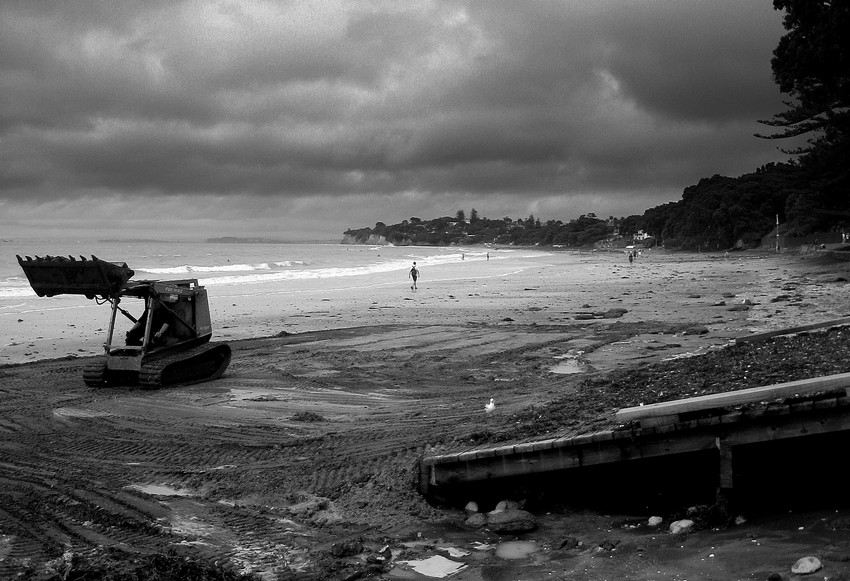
x=239 y=240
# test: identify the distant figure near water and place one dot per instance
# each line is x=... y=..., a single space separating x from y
x=631 y=257
x=414 y=274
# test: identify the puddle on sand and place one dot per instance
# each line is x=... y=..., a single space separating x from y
x=435 y=566
x=516 y=549
x=569 y=365
x=160 y=490
x=78 y=413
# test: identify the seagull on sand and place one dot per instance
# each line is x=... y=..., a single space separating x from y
x=490 y=406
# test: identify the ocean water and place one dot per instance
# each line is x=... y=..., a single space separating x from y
x=222 y=268
x=215 y=264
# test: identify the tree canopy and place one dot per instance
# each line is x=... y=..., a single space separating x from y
x=811 y=64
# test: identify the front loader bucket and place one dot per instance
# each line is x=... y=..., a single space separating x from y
x=56 y=275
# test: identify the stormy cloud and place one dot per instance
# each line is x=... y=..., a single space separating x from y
x=310 y=117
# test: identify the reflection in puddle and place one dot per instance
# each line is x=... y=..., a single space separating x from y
x=568 y=365
x=516 y=549
x=78 y=413
x=160 y=490
x=436 y=566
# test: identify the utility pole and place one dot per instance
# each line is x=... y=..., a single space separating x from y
x=777 y=233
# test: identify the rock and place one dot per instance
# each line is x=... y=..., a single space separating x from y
x=774 y=577
x=654 y=521
x=569 y=543
x=614 y=313
x=583 y=317
x=512 y=521
x=697 y=510
x=346 y=548
x=608 y=544
x=476 y=521
x=681 y=527
x=740 y=308
x=504 y=505
x=806 y=565
x=471 y=507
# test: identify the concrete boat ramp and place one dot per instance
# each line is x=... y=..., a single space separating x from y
x=717 y=442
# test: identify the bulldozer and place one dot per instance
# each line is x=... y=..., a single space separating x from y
x=168 y=344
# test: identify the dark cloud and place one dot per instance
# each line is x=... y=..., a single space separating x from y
x=508 y=104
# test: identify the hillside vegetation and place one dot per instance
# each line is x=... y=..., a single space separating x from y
x=717 y=213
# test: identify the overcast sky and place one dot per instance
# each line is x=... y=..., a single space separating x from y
x=301 y=119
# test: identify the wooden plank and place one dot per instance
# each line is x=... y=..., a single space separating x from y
x=790 y=427
x=733 y=398
x=726 y=473
x=791 y=330
x=561 y=458
x=557 y=454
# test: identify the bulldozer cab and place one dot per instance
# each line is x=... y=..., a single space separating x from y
x=174 y=312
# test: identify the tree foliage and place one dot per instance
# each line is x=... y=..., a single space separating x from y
x=811 y=64
x=718 y=213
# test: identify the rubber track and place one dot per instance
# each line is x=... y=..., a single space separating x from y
x=186 y=366
x=94 y=373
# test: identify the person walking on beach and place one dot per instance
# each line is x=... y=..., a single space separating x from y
x=414 y=274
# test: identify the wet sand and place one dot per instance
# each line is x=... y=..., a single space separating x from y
x=312 y=436
x=530 y=288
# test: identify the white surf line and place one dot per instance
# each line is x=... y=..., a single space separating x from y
x=368 y=286
x=41 y=310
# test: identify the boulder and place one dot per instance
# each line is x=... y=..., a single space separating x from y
x=511 y=521
x=471 y=507
x=654 y=521
x=681 y=527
